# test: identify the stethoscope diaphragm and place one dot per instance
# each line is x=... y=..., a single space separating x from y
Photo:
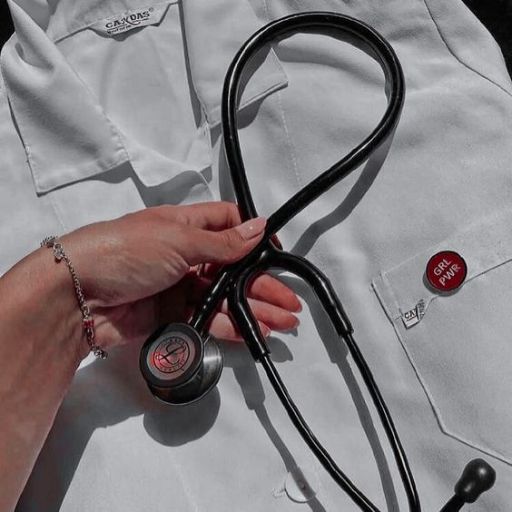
x=179 y=366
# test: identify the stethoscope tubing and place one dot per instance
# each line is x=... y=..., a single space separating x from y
x=320 y=284
x=279 y=28
x=189 y=377
x=233 y=281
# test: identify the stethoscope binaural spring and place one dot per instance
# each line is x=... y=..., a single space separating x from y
x=181 y=362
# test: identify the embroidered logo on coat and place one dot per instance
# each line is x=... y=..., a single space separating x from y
x=131 y=19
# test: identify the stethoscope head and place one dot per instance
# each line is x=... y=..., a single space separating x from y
x=179 y=366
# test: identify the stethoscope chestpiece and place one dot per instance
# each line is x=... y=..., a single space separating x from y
x=179 y=366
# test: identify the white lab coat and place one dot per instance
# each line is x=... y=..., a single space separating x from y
x=94 y=125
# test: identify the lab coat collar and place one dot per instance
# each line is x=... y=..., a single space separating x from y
x=66 y=135
x=65 y=131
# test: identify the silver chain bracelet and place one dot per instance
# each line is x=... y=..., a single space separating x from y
x=87 y=320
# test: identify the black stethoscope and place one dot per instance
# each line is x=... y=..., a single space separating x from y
x=182 y=362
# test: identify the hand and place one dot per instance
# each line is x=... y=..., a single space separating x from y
x=139 y=271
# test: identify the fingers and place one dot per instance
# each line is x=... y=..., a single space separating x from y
x=274 y=317
x=213 y=216
x=210 y=232
x=269 y=289
x=265 y=288
x=271 y=302
x=222 y=327
x=269 y=317
x=227 y=246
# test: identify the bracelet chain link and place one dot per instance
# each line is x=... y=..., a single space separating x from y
x=52 y=242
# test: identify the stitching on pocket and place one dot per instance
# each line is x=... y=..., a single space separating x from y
x=390 y=302
x=437 y=412
x=454 y=55
x=487 y=245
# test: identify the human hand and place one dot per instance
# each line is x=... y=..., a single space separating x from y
x=139 y=271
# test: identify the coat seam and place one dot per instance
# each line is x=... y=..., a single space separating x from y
x=457 y=58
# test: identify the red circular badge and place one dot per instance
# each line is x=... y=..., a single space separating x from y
x=446 y=271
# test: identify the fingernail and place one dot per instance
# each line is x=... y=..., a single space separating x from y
x=252 y=228
x=265 y=330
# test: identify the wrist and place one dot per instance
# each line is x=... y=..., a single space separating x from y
x=43 y=306
x=40 y=345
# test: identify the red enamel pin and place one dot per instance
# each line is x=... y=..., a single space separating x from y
x=446 y=271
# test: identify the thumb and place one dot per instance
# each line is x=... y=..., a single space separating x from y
x=224 y=246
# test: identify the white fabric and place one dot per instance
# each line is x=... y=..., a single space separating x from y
x=94 y=126
x=111 y=90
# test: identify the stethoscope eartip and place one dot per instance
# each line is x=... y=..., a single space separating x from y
x=478 y=476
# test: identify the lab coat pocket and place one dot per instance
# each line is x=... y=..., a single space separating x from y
x=459 y=342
